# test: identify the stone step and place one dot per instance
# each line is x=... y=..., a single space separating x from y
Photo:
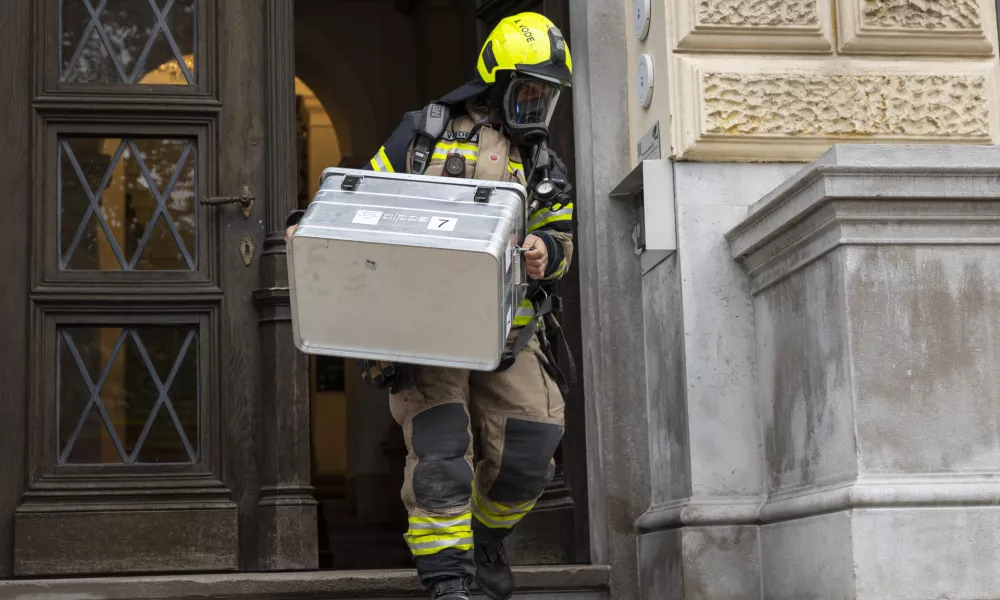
x=580 y=582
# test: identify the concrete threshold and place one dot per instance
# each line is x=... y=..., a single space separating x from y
x=583 y=582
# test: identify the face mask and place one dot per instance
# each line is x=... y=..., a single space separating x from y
x=529 y=104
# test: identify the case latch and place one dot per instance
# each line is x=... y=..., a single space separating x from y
x=350 y=183
x=483 y=194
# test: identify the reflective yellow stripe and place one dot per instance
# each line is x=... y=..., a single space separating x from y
x=443 y=149
x=558 y=272
x=500 y=509
x=496 y=515
x=380 y=163
x=515 y=168
x=545 y=216
x=430 y=535
x=525 y=313
x=426 y=534
x=437 y=546
x=505 y=523
x=385 y=159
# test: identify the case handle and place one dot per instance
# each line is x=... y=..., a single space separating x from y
x=350 y=183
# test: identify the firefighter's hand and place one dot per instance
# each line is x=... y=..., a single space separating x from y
x=537 y=258
x=288 y=233
x=381 y=374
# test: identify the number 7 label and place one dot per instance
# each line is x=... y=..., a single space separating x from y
x=442 y=223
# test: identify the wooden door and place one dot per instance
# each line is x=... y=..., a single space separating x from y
x=132 y=387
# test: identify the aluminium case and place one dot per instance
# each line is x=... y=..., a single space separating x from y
x=407 y=268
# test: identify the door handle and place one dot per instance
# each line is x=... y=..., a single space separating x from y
x=245 y=200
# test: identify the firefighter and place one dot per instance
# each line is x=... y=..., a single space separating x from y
x=496 y=128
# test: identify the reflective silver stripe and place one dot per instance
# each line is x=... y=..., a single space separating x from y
x=380 y=163
x=506 y=522
x=441 y=544
x=545 y=214
x=523 y=316
x=525 y=311
x=501 y=510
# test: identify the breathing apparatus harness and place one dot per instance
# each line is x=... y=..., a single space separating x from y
x=543 y=190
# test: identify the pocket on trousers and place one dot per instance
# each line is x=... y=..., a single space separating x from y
x=554 y=402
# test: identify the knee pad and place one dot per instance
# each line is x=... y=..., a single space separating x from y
x=526 y=466
x=440 y=439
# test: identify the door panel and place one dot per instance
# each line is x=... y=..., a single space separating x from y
x=120 y=205
x=143 y=386
x=15 y=172
x=240 y=159
x=127 y=47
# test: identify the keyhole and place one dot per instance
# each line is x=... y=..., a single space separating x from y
x=246 y=249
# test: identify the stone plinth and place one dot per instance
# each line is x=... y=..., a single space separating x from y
x=875 y=276
x=699 y=537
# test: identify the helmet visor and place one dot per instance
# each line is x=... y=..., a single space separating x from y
x=531 y=101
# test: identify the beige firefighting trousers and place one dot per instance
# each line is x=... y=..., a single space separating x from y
x=517 y=417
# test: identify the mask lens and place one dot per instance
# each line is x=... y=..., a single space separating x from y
x=532 y=101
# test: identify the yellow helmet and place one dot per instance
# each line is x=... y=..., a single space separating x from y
x=527 y=62
x=527 y=43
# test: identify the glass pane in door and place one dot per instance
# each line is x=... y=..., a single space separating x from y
x=127 y=204
x=128 y=41
x=127 y=395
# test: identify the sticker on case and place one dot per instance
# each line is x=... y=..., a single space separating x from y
x=442 y=223
x=367 y=217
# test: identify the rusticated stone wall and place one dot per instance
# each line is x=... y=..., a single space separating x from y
x=758 y=13
x=782 y=80
x=933 y=14
x=817 y=105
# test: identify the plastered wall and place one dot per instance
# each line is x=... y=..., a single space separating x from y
x=782 y=80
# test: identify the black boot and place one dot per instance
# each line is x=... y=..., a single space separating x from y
x=493 y=574
x=450 y=589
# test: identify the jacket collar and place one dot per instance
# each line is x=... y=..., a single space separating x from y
x=468 y=91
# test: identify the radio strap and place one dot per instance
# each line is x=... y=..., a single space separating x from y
x=433 y=122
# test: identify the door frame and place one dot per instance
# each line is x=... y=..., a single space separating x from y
x=565 y=503
x=15 y=168
x=253 y=492
x=288 y=537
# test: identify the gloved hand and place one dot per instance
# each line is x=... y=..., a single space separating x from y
x=382 y=374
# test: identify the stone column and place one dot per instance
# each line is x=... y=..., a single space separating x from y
x=875 y=277
x=286 y=509
x=612 y=368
